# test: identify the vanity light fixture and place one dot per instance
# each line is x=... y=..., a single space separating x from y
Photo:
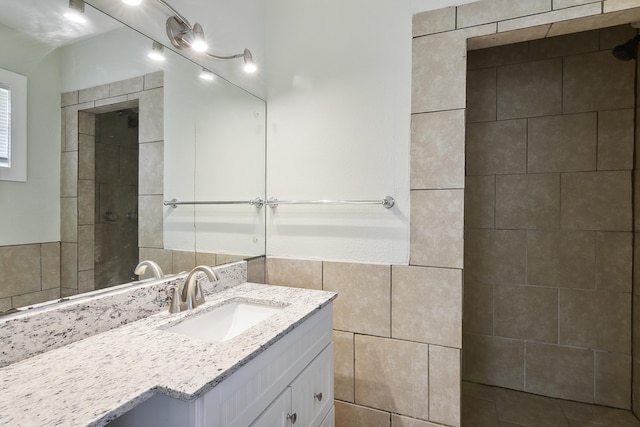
x=183 y=35
x=157 y=52
x=76 y=12
x=132 y=2
x=207 y=75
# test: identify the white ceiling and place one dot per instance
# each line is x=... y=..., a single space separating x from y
x=45 y=21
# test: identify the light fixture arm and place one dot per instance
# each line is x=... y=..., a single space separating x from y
x=177 y=14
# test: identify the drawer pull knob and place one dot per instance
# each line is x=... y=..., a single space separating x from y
x=292 y=417
x=318 y=396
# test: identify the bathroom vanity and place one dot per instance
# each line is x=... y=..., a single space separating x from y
x=278 y=371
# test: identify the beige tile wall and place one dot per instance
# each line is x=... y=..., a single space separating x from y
x=397 y=339
x=80 y=221
x=635 y=362
x=548 y=218
x=30 y=274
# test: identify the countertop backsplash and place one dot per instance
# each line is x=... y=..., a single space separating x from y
x=34 y=331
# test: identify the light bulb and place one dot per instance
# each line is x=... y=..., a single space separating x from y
x=132 y=2
x=206 y=74
x=198 y=44
x=75 y=17
x=250 y=67
x=157 y=52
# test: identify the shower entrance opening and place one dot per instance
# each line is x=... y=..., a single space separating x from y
x=549 y=229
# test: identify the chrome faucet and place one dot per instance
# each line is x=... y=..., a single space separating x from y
x=189 y=295
x=155 y=269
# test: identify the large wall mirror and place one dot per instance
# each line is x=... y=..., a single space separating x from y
x=111 y=135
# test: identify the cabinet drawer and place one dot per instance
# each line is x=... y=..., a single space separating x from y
x=329 y=420
x=312 y=391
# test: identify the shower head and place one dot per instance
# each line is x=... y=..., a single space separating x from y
x=627 y=51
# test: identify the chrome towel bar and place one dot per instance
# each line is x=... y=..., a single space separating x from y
x=388 y=202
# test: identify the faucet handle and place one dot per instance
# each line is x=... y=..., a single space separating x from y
x=175 y=305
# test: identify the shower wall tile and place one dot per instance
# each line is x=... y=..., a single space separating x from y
x=613 y=387
x=615 y=5
x=478 y=308
x=68 y=98
x=20 y=277
x=93 y=93
x=129 y=167
x=527 y=201
x=613 y=36
x=86 y=281
x=384 y=367
x=563 y=259
x=35 y=297
x=205 y=258
x=294 y=272
x=86 y=202
x=69 y=219
x=163 y=257
x=151 y=117
x=183 y=261
x=86 y=247
x=228 y=258
x=400 y=421
x=609 y=83
x=615 y=139
x=496 y=147
x=150 y=210
x=493 y=361
x=107 y=105
x=479 y=201
x=498 y=10
x=481 y=95
x=151 y=165
x=560 y=372
x=108 y=170
x=530 y=89
x=343 y=356
x=86 y=123
x=523 y=409
x=551 y=17
x=614 y=262
x=153 y=80
x=360 y=416
x=437 y=228
x=527 y=313
x=570 y=44
x=437 y=150
x=495 y=256
x=444 y=385
x=560 y=4
x=434 y=21
x=596 y=320
x=50 y=253
x=69 y=265
x=361 y=287
x=597 y=201
x=562 y=143
x=122 y=87
x=5 y=304
x=427 y=305
x=69 y=174
x=86 y=157
x=497 y=56
x=439 y=71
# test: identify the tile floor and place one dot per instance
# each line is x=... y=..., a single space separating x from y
x=484 y=406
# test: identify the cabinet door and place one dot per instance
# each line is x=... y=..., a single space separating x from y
x=329 y=420
x=278 y=414
x=312 y=391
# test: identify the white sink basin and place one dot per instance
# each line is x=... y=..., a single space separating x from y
x=226 y=321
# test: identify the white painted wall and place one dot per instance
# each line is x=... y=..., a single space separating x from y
x=30 y=211
x=338 y=94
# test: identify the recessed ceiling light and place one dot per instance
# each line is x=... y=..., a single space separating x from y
x=132 y=2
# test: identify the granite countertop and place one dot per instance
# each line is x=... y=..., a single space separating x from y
x=95 y=380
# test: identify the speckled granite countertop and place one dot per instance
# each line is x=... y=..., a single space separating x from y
x=95 y=380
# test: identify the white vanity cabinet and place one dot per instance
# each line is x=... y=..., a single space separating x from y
x=294 y=375
x=307 y=400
